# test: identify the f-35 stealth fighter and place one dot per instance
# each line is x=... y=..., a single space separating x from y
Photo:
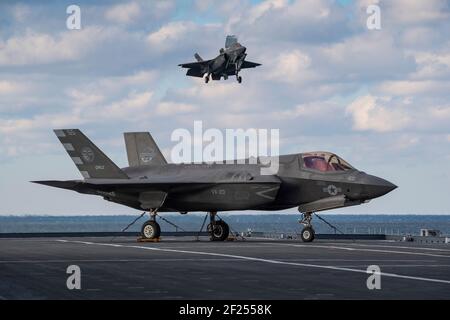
x=229 y=62
x=312 y=181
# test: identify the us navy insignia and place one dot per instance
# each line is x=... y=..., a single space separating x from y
x=332 y=190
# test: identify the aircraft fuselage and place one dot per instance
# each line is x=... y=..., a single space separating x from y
x=229 y=187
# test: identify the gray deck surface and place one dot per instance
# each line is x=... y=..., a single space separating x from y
x=182 y=268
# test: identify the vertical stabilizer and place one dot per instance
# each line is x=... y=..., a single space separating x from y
x=142 y=149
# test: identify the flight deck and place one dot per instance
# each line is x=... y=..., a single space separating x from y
x=183 y=268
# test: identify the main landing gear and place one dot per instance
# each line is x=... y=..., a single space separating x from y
x=151 y=229
x=307 y=233
x=237 y=69
x=218 y=230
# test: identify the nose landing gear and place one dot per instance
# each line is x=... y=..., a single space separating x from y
x=308 y=233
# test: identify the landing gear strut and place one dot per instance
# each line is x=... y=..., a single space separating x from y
x=218 y=230
x=238 y=77
x=151 y=228
x=307 y=233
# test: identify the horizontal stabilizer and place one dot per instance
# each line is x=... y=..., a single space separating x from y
x=70 y=185
x=249 y=64
x=88 y=158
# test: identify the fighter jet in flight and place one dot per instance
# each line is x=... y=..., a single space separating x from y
x=229 y=62
x=311 y=181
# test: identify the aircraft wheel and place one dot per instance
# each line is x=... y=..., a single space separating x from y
x=307 y=234
x=239 y=79
x=219 y=231
x=206 y=79
x=151 y=230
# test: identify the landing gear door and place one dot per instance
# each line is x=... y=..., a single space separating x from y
x=327 y=204
x=152 y=199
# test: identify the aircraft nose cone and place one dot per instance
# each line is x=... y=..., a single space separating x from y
x=376 y=187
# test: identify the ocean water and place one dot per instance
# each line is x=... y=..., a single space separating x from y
x=287 y=223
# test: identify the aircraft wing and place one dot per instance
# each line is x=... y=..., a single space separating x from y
x=249 y=64
x=195 y=65
x=231 y=70
x=144 y=184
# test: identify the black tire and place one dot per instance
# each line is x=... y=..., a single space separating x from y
x=307 y=234
x=220 y=231
x=206 y=79
x=151 y=230
x=239 y=79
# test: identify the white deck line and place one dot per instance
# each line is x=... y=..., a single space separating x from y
x=391 y=275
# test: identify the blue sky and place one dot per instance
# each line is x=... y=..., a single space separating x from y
x=378 y=98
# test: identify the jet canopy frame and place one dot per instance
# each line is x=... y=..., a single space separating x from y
x=324 y=161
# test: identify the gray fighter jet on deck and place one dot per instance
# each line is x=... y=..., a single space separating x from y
x=229 y=62
x=312 y=181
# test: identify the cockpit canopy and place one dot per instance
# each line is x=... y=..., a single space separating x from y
x=324 y=162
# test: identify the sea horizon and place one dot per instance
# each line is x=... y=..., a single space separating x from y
x=396 y=224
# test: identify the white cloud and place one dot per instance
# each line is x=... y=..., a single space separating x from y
x=203 y=5
x=259 y=10
x=432 y=65
x=365 y=56
x=368 y=113
x=114 y=84
x=42 y=48
x=131 y=107
x=316 y=109
x=21 y=12
x=123 y=13
x=291 y=67
x=418 y=37
x=173 y=108
x=416 y=11
x=408 y=88
x=298 y=20
x=404 y=141
x=440 y=112
x=9 y=87
x=168 y=35
x=81 y=98
x=25 y=125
